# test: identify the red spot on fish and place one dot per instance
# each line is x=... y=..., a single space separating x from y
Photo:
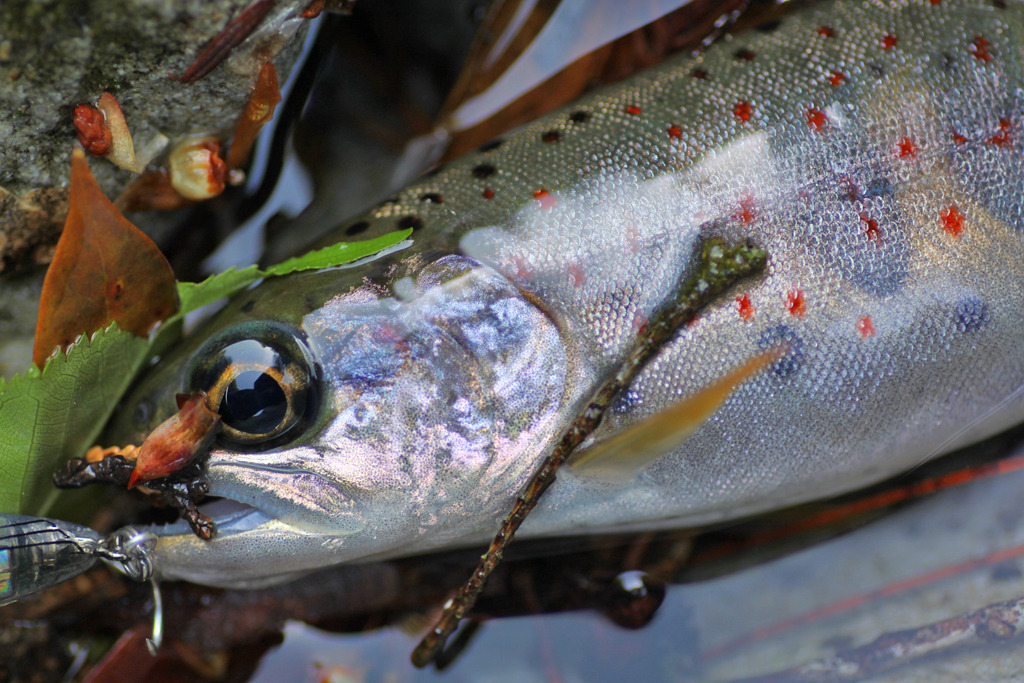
x=742 y=111
x=935 y=2
x=576 y=273
x=633 y=110
x=675 y=132
x=488 y=194
x=746 y=308
x=1003 y=137
x=699 y=73
x=836 y=78
x=692 y=322
x=523 y=270
x=544 y=199
x=744 y=55
x=795 y=303
x=906 y=148
x=865 y=327
x=746 y=213
x=816 y=119
x=826 y=31
x=952 y=221
x=958 y=138
x=889 y=41
x=639 y=323
x=979 y=48
x=871 y=228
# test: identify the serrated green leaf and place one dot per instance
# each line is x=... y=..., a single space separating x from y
x=49 y=416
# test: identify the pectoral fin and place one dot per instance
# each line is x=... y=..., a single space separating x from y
x=628 y=452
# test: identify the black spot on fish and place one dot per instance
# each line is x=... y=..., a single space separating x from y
x=744 y=55
x=768 y=26
x=877 y=69
x=948 y=61
x=999 y=4
x=551 y=136
x=793 y=360
x=410 y=221
x=579 y=116
x=701 y=74
x=357 y=228
x=432 y=197
x=248 y=305
x=971 y=314
x=491 y=146
x=483 y=171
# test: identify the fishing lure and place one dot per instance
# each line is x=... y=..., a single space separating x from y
x=37 y=553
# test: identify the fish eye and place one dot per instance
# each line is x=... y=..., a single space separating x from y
x=260 y=378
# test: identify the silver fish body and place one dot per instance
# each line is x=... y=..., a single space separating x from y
x=872 y=148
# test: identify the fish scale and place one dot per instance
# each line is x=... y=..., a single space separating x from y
x=872 y=149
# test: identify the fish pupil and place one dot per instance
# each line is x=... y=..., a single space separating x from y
x=254 y=402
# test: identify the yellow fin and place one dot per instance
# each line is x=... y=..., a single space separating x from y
x=628 y=452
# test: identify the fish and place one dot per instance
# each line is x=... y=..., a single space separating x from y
x=872 y=149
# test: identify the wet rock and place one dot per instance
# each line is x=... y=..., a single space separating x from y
x=56 y=54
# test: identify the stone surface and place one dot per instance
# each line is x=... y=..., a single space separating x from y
x=56 y=54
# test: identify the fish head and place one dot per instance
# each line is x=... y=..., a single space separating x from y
x=384 y=420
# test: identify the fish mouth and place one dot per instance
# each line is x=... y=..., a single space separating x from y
x=250 y=549
x=234 y=516
x=268 y=523
x=228 y=516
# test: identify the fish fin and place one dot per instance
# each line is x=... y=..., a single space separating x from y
x=625 y=454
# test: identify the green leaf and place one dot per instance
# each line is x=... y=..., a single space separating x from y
x=197 y=295
x=49 y=416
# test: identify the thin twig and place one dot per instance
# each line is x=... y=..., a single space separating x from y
x=226 y=40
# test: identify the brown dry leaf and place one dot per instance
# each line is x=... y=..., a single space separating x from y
x=104 y=270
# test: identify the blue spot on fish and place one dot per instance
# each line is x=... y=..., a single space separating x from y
x=793 y=360
x=626 y=401
x=879 y=187
x=971 y=314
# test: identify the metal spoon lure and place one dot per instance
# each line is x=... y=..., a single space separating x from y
x=37 y=553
